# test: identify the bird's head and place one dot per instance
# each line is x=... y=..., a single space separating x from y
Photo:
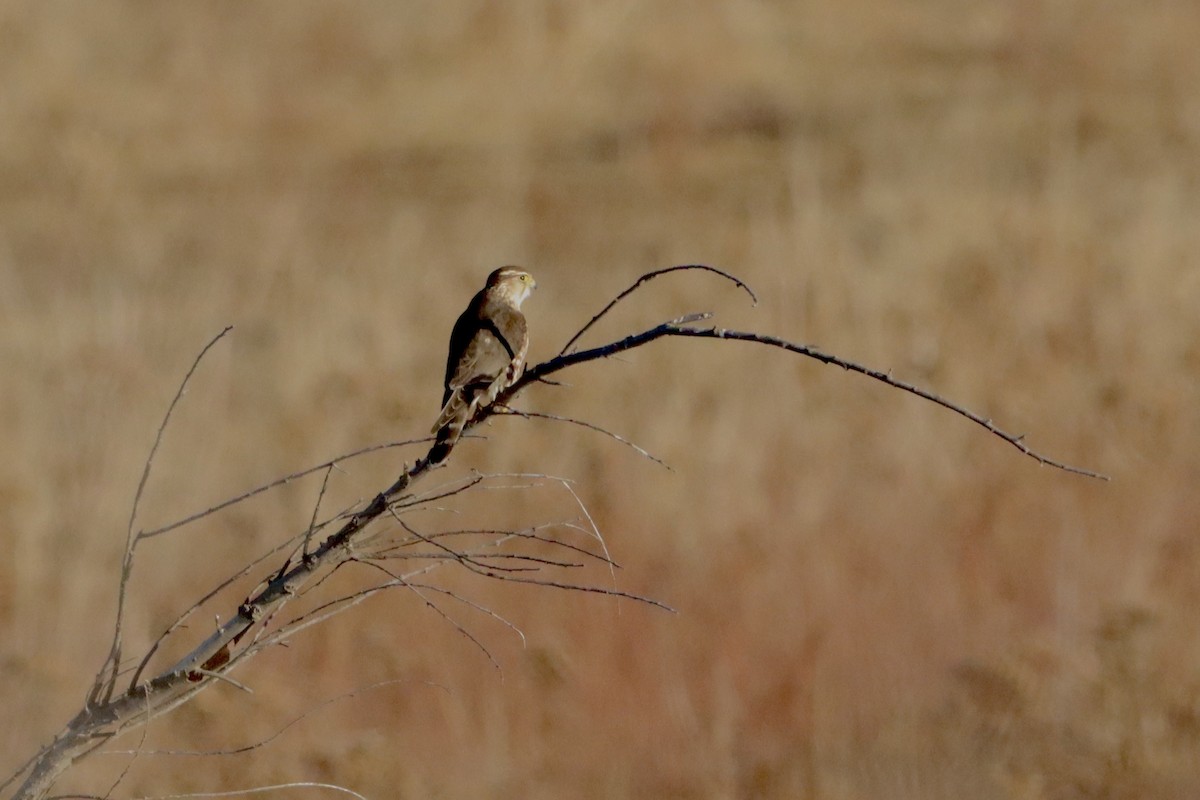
x=512 y=283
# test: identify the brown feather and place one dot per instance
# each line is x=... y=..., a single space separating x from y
x=487 y=350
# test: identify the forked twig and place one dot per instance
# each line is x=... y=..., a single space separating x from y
x=103 y=686
x=194 y=607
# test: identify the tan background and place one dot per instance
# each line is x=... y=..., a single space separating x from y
x=997 y=200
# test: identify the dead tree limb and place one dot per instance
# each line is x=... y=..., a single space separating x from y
x=680 y=326
x=111 y=710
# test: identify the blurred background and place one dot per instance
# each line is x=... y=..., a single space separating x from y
x=875 y=598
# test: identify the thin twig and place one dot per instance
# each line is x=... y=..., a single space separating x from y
x=584 y=424
x=312 y=617
x=477 y=606
x=574 y=587
x=435 y=494
x=470 y=637
x=312 y=523
x=681 y=327
x=266 y=487
x=612 y=572
x=257 y=790
x=649 y=276
x=233 y=751
x=104 y=686
x=450 y=552
x=182 y=618
x=1017 y=441
x=222 y=677
x=145 y=732
x=527 y=533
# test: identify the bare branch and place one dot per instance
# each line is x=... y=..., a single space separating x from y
x=1015 y=440
x=437 y=609
x=266 y=487
x=187 y=613
x=257 y=790
x=312 y=523
x=317 y=615
x=103 y=686
x=599 y=537
x=162 y=428
x=476 y=606
x=583 y=424
x=680 y=327
x=134 y=756
x=649 y=276
x=356 y=538
x=233 y=751
x=574 y=587
x=218 y=676
x=436 y=494
x=392 y=550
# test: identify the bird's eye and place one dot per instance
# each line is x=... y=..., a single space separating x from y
x=525 y=278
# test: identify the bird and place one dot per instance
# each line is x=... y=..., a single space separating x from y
x=487 y=353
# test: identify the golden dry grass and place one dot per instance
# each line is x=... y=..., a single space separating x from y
x=997 y=200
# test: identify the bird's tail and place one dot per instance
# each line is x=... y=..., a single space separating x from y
x=449 y=426
x=447 y=437
x=448 y=410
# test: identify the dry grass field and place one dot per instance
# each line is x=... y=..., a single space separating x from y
x=875 y=598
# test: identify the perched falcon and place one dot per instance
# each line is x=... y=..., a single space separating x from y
x=487 y=352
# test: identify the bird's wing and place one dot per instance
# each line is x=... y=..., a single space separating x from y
x=464 y=330
x=509 y=325
x=487 y=354
x=484 y=358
